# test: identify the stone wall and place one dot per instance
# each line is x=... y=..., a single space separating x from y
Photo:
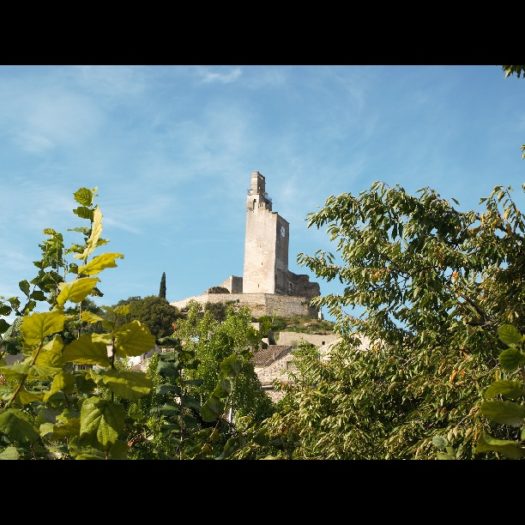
x=233 y=284
x=320 y=340
x=259 y=303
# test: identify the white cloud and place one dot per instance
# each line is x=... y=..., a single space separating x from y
x=208 y=76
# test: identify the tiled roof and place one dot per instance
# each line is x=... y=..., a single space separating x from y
x=267 y=356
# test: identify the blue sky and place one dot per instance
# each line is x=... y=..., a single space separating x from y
x=171 y=150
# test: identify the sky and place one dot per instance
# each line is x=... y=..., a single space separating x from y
x=171 y=150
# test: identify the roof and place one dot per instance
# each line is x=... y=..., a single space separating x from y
x=267 y=356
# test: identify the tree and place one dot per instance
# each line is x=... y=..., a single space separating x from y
x=213 y=341
x=162 y=291
x=156 y=313
x=431 y=285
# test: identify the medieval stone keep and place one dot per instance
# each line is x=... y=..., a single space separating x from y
x=267 y=287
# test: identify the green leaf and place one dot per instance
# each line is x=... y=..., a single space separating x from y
x=102 y=419
x=133 y=339
x=504 y=412
x=90 y=317
x=509 y=334
x=439 y=442
x=84 y=196
x=38 y=295
x=96 y=231
x=76 y=291
x=9 y=453
x=4 y=326
x=127 y=384
x=119 y=450
x=212 y=409
x=510 y=389
x=62 y=382
x=24 y=286
x=511 y=359
x=231 y=366
x=509 y=449
x=83 y=212
x=51 y=353
x=99 y=263
x=25 y=397
x=15 y=424
x=84 y=351
x=36 y=327
x=16 y=369
x=5 y=309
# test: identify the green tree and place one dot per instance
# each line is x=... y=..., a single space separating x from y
x=425 y=288
x=214 y=341
x=162 y=291
x=155 y=312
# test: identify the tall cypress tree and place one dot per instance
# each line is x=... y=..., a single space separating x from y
x=162 y=291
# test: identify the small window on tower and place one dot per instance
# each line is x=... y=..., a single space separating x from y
x=253 y=204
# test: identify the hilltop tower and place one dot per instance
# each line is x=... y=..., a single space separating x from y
x=265 y=244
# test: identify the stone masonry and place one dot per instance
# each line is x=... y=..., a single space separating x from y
x=267 y=286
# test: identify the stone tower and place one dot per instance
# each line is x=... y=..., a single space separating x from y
x=266 y=243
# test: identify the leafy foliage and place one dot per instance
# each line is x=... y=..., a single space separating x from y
x=49 y=406
x=162 y=289
x=428 y=285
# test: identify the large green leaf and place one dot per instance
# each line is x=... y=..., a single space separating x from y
x=510 y=389
x=84 y=351
x=102 y=419
x=504 y=412
x=511 y=359
x=127 y=384
x=77 y=290
x=96 y=231
x=9 y=453
x=509 y=449
x=99 y=263
x=16 y=425
x=36 y=327
x=133 y=339
x=509 y=334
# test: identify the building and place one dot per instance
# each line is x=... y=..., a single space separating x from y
x=267 y=286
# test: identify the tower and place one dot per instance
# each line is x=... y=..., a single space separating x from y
x=265 y=244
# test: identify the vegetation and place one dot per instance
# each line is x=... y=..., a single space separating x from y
x=154 y=312
x=218 y=289
x=72 y=395
x=162 y=290
x=433 y=284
